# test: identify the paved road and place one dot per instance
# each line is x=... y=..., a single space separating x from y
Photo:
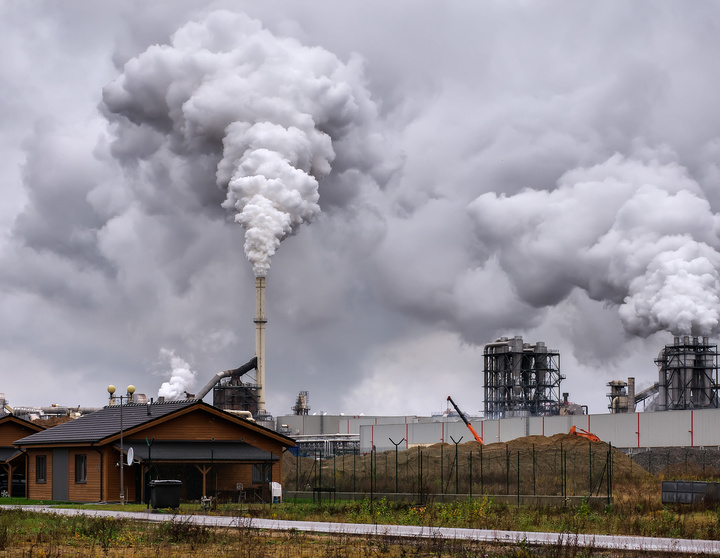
x=608 y=542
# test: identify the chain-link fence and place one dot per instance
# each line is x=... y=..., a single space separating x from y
x=693 y=463
x=577 y=468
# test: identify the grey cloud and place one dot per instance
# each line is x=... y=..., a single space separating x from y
x=461 y=202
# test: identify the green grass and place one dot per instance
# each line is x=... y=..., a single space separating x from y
x=26 y=502
x=483 y=513
x=24 y=533
x=640 y=518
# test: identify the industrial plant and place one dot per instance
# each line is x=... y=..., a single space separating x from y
x=522 y=395
x=521 y=379
x=687 y=379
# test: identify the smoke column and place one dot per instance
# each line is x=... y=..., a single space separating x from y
x=638 y=234
x=182 y=377
x=269 y=111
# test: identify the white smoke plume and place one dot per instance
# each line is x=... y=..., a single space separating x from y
x=267 y=110
x=182 y=377
x=637 y=234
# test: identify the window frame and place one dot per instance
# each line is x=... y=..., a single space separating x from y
x=80 y=468
x=257 y=473
x=41 y=469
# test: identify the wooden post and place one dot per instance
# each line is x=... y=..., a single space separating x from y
x=204 y=470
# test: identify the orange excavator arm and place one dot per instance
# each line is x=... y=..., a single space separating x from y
x=584 y=433
x=466 y=421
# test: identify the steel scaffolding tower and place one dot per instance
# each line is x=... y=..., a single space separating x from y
x=521 y=379
x=688 y=375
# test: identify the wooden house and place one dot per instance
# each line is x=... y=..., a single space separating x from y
x=213 y=453
x=12 y=459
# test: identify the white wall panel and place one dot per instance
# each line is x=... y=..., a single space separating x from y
x=619 y=429
x=706 y=427
x=669 y=428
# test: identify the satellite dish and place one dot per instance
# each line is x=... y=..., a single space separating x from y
x=130 y=456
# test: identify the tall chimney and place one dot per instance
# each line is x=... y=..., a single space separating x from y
x=260 y=322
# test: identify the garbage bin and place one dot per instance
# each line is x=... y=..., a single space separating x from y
x=165 y=493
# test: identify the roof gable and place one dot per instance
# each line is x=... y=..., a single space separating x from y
x=12 y=428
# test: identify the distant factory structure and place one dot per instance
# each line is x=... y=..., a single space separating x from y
x=687 y=379
x=523 y=396
x=521 y=392
x=521 y=379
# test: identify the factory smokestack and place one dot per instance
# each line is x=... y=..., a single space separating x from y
x=260 y=322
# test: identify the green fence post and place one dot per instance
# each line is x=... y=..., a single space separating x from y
x=442 y=469
x=507 y=470
x=590 y=466
x=457 y=465
x=534 y=474
x=518 y=478
x=471 y=476
x=396 y=460
x=482 y=478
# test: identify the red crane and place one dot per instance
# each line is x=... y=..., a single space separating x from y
x=466 y=421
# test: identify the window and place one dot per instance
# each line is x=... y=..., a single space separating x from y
x=41 y=468
x=80 y=468
x=257 y=473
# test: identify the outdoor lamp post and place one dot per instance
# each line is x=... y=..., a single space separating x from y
x=130 y=391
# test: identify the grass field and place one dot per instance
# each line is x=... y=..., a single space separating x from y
x=29 y=534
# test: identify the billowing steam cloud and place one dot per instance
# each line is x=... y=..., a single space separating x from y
x=638 y=234
x=268 y=111
x=182 y=377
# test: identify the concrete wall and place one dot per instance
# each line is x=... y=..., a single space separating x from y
x=337 y=424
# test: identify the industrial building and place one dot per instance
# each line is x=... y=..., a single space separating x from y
x=233 y=394
x=523 y=398
x=687 y=379
x=521 y=379
x=688 y=375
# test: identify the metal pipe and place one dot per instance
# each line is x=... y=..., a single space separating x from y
x=249 y=365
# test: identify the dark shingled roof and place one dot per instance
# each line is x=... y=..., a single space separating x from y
x=103 y=423
x=6 y=454
x=197 y=451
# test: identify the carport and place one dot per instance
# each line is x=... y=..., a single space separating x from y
x=227 y=470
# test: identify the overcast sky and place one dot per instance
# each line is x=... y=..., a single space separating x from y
x=446 y=173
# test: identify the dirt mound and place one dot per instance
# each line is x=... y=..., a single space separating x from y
x=52 y=421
